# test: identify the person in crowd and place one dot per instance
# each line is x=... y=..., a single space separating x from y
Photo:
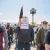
x=40 y=39
x=47 y=40
x=25 y=36
x=9 y=35
x=3 y=33
x=15 y=26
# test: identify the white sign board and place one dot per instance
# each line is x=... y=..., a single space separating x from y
x=25 y=23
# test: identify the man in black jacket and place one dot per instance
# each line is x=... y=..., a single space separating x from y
x=47 y=40
x=25 y=36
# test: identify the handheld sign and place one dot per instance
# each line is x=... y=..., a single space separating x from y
x=24 y=23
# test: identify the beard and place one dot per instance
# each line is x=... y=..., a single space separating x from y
x=45 y=27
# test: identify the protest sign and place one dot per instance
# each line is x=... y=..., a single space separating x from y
x=25 y=23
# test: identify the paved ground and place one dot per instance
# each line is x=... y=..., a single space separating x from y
x=13 y=46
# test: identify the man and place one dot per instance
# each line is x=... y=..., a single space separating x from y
x=25 y=34
x=9 y=34
x=41 y=36
x=3 y=33
x=15 y=26
x=47 y=39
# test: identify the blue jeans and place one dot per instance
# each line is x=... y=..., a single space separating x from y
x=9 y=43
x=22 y=45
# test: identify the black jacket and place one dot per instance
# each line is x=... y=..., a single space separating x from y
x=25 y=35
x=47 y=38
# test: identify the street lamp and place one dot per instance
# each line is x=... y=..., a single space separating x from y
x=32 y=11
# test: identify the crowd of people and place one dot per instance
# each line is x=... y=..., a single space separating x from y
x=24 y=37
